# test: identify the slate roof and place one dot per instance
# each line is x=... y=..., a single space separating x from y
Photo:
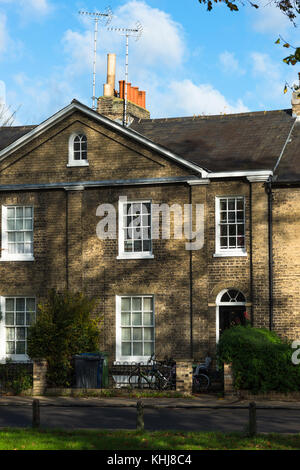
x=9 y=134
x=246 y=141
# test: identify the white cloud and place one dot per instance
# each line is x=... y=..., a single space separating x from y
x=230 y=64
x=270 y=19
x=30 y=8
x=183 y=98
x=270 y=78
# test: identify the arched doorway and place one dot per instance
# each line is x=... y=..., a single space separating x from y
x=230 y=310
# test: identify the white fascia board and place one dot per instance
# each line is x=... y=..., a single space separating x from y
x=252 y=175
x=114 y=125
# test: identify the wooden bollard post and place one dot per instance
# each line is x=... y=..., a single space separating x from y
x=140 y=415
x=36 y=413
x=252 y=419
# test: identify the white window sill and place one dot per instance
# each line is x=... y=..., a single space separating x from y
x=78 y=163
x=125 y=360
x=228 y=253
x=17 y=358
x=17 y=258
x=135 y=256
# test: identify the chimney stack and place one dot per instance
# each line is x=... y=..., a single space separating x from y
x=112 y=103
x=109 y=86
x=296 y=101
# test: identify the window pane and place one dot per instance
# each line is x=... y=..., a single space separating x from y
x=28 y=224
x=10 y=212
x=20 y=347
x=9 y=319
x=20 y=318
x=137 y=349
x=148 y=349
x=148 y=319
x=125 y=304
x=138 y=245
x=20 y=305
x=20 y=333
x=9 y=305
x=126 y=349
x=147 y=301
x=231 y=204
x=28 y=211
x=148 y=334
x=125 y=319
x=126 y=334
x=136 y=318
x=10 y=348
x=136 y=303
x=137 y=334
x=30 y=317
x=10 y=334
x=11 y=224
x=19 y=224
x=19 y=212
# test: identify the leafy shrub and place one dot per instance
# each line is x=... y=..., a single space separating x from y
x=15 y=377
x=261 y=361
x=64 y=327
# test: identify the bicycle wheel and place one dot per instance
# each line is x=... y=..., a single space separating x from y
x=201 y=383
x=135 y=380
x=152 y=381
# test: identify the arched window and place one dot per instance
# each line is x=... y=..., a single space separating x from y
x=78 y=150
x=232 y=295
x=230 y=310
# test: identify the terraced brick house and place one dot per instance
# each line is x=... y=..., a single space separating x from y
x=243 y=170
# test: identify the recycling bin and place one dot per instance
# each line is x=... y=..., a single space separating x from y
x=91 y=370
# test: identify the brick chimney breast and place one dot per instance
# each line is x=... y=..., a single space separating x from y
x=111 y=104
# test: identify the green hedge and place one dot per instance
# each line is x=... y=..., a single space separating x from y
x=64 y=327
x=261 y=361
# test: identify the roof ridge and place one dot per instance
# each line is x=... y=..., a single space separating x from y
x=216 y=116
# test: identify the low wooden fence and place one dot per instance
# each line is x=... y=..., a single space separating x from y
x=140 y=406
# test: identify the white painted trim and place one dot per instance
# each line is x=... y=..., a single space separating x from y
x=5 y=256
x=224 y=304
x=12 y=357
x=131 y=255
x=238 y=174
x=227 y=252
x=57 y=117
x=128 y=359
x=135 y=256
x=198 y=182
x=71 y=161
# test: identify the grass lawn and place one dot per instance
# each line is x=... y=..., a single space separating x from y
x=30 y=439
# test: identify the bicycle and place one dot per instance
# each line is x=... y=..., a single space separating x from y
x=154 y=378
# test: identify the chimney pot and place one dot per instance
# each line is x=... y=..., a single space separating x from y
x=111 y=71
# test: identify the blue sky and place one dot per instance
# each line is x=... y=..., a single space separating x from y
x=188 y=60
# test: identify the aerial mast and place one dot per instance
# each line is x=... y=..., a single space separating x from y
x=135 y=32
x=97 y=16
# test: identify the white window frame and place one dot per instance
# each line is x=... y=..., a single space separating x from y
x=5 y=256
x=137 y=254
x=3 y=355
x=72 y=161
x=130 y=359
x=220 y=252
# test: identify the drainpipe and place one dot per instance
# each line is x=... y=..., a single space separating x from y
x=191 y=283
x=270 y=247
x=251 y=250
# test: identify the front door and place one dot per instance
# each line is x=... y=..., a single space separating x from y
x=231 y=316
